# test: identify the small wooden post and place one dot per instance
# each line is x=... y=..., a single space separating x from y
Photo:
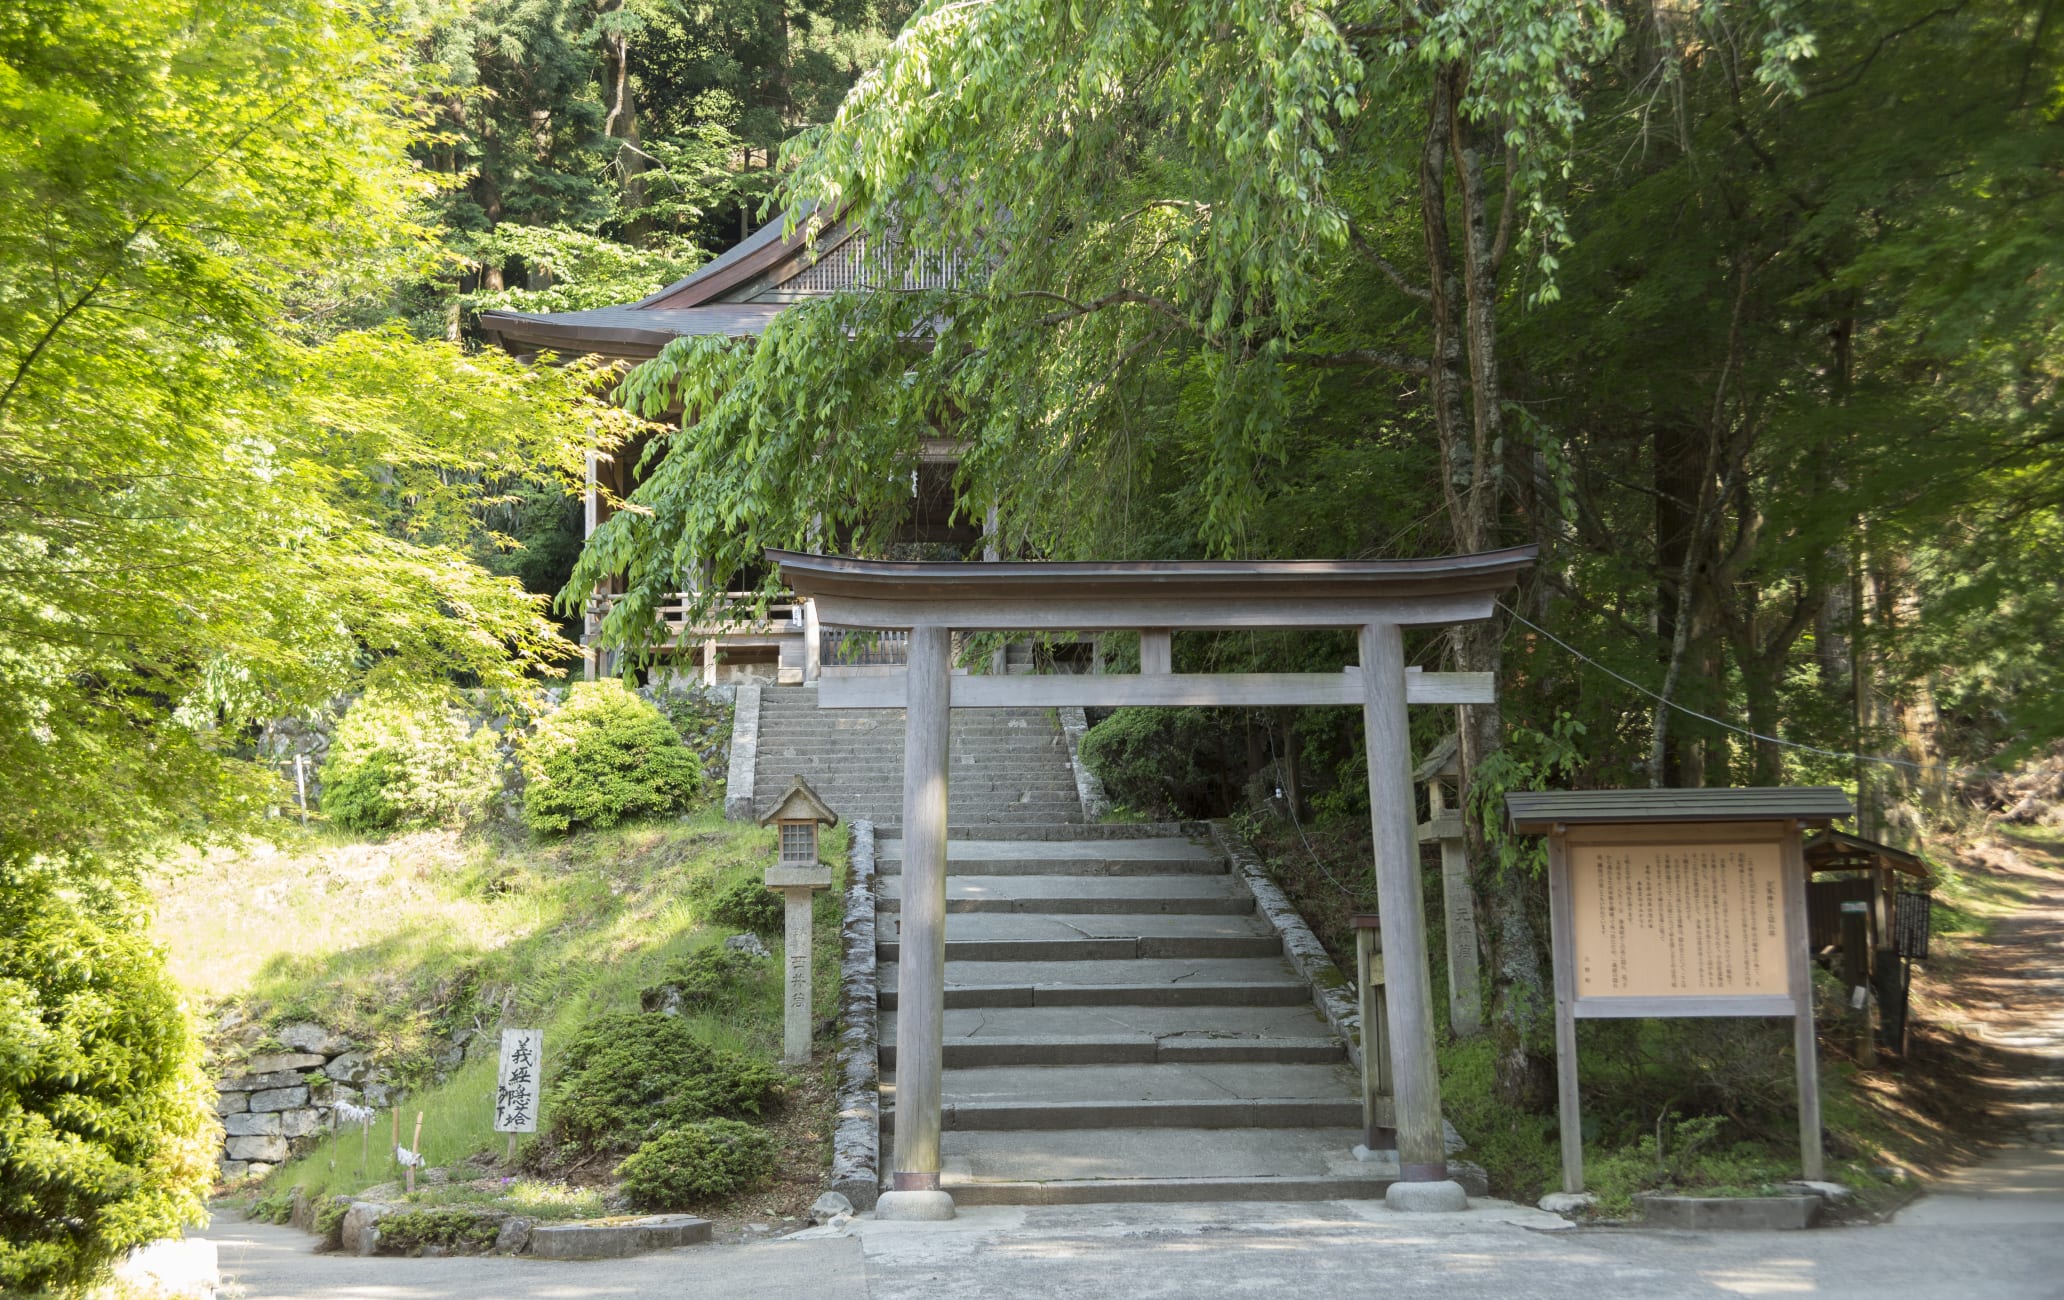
x=1458 y=901
x=1856 y=977
x=709 y=662
x=813 y=643
x=301 y=786
x=416 y=1149
x=1379 y=1131
x=1805 y=1048
x=1156 y=650
x=1563 y=932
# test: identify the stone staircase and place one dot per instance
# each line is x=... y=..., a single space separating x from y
x=1121 y=1024
x=1010 y=766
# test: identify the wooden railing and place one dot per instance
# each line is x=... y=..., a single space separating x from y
x=846 y=647
x=736 y=613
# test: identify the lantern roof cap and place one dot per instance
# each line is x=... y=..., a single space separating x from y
x=800 y=803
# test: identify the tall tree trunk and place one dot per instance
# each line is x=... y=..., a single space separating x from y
x=1464 y=314
x=622 y=122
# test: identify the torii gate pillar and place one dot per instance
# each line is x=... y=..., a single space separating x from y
x=1422 y=1146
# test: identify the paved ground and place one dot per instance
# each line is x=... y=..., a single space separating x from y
x=2011 y=1250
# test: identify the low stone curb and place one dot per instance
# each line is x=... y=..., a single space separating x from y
x=617 y=1240
x=745 y=753
x=856 y=1139
x=1332 y=992
x=1089 y=787
x=1729 y=1213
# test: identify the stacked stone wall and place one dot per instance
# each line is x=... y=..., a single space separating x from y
x=274 y=1104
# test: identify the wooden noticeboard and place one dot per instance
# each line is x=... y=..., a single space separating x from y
x=1679 y=903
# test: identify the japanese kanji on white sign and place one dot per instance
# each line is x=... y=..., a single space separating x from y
x=520 y=1080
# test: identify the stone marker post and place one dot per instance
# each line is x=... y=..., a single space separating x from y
x=796 y=885
x=796 y=876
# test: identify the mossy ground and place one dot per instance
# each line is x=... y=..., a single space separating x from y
x=399 y=943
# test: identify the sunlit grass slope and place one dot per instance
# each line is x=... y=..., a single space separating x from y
x=403 y=943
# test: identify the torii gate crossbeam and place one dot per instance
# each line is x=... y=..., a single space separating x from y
x=1376 y=598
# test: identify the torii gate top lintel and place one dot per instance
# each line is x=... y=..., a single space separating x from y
x=1087 y=596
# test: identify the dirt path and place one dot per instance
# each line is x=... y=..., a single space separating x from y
x=1997 y=1028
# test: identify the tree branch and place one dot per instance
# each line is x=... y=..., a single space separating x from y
x=1503 y=243
x=1115 y=298
x=1384 y=264
x=1378 y=358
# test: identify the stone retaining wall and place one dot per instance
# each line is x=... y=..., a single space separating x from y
x=275 y=1104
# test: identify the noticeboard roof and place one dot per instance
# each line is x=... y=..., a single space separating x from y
x=1537 y=811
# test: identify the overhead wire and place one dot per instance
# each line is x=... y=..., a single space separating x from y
x=1919 y=769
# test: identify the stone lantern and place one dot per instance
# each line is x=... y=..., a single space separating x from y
x=797 y=874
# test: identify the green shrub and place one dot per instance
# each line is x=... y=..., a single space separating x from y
x=106 y=1140
x=1160 y=761
x=626 y=1077
x=713 y=1157
x=603 y=757
x=707 y=978
x=748 y=905
x=407 y=1232
x=274 y=1207
x=329 y=1222
x=398 y=762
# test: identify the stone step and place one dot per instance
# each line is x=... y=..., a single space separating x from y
x=1123 y=1049
x=1071 y=895
x=1203 y=1095
x=1016 y=936
x=1223 y=1023
x=1236 y=993
x=1137 y=857
x=1160 y=981
x=1015 y=791
x=1091 y=1165
x=1015 y=950
x=832 y=763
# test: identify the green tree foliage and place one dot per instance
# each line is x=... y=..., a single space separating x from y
x=625 y=1079
x=215 y=516
x=1735 y=317
x=397 y=761
x=711 y=1157
x=105 y=1137
x=604 y=757
x=589 y=151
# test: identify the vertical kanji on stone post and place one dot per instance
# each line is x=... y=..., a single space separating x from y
x=797 y=874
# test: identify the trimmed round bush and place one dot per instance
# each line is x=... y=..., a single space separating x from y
x=397 y=762
x=605 y=757
x=713 y=1157
x=1159 y=761
x=106 y=1136
x=625 y=1078
x=749 y=905
x=708 y=979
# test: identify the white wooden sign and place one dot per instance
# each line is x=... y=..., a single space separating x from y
x=520 y=1081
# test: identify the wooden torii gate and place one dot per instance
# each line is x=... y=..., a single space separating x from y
x=1377 y=598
